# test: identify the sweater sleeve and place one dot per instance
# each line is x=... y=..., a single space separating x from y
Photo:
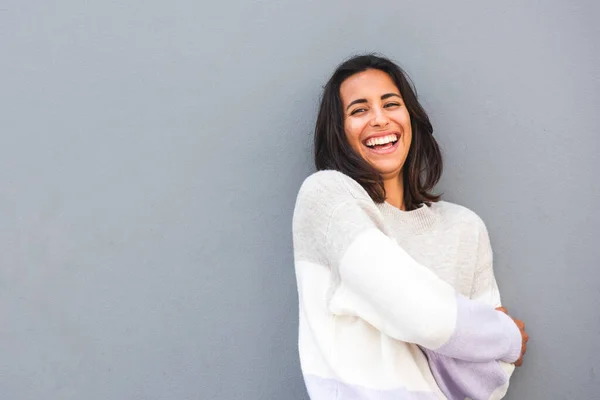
x=376 y=280
x=485 y=289
x=460 y=379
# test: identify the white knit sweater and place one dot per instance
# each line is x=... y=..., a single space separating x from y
x=394 y=304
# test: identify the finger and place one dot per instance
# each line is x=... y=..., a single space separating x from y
x=518 y=362
x=520 y=324
x=526 y=337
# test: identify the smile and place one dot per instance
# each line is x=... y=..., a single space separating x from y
x=374 y=142
x=383 y=144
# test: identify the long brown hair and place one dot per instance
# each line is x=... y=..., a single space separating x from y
x=423 y=166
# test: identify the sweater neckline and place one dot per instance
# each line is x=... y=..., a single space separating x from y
x=419 y=220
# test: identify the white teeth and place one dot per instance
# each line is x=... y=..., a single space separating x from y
x=382 y=140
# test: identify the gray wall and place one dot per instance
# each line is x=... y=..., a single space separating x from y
x=151 y=151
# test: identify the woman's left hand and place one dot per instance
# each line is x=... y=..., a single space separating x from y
x=524 y=336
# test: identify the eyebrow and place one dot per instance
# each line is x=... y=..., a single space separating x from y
x=385 y=96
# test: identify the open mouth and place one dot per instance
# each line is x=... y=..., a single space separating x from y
x=382 y=143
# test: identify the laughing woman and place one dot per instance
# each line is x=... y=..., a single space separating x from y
x=397 y=293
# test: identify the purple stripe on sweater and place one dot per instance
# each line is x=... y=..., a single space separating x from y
x=331 y=389
x=460 y=379
x=482 y=334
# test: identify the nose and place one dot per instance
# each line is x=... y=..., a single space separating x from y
x=380 y=118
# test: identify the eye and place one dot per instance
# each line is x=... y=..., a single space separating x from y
x=358 y=110
x=392 y=104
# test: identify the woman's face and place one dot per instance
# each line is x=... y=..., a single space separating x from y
x=376 y=121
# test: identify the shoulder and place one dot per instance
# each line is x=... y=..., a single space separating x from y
x=457 y=214
x=466 y=223
x=331 y=207
x=327 y=193
x=329 y=186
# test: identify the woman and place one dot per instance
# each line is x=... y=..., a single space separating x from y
x=396 y=288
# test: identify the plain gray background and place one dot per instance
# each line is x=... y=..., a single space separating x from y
x=151 y=151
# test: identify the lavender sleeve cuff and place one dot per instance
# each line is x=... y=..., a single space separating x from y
x=515 y=338
x=482 y=334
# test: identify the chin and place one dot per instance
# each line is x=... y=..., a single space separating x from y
x=386 y=169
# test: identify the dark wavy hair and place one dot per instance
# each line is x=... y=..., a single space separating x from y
x=423 y=166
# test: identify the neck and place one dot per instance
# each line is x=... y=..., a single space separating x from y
x=394 y=191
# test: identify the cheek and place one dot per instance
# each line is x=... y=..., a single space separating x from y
x=352 y=133
x=408 y=144
x=404 y=119
x=408 y=131
x=407 y=136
